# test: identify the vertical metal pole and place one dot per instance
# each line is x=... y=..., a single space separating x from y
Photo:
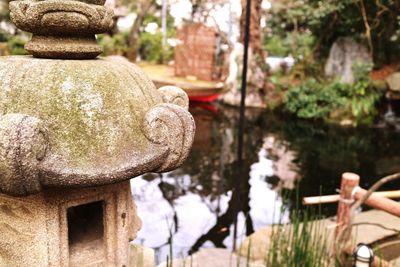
x=242 y=110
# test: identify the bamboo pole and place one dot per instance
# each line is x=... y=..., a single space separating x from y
x=379 y=202
x=335 y=198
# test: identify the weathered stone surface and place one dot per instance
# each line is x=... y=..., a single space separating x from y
x=214 y=257
x=54 y=17
x=72 y=132
x=23 y=144
x=259 y=243
x=396 y=263
x=60 y=47
x=36 y=232
x=174 y=95
x=62 y=29
x=141 y=256
x=106 y=121
x=344 y=54
x=169 y=126
x=366 y=221
x=95 y=2
x=394 y=82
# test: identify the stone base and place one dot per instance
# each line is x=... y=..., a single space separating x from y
x=141 y=256
x=252 y=100
x=77 y=227
x=214 y=257
x=63 y=47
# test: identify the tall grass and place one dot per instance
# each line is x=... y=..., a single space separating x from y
x=302 y=243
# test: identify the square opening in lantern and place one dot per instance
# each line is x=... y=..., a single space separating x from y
x=86 y=234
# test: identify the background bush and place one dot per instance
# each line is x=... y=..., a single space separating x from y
x=320 y=99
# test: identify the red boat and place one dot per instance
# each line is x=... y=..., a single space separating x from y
x=195 y=92
x=198 y=91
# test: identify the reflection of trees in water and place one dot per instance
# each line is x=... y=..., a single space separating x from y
x=212 y=165
x=321 y=152
x=318 y=152
x=325 y=151
x=239 y=202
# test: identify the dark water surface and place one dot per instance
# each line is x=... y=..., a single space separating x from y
x=197 y=204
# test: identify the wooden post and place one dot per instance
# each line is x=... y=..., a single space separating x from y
x=349 y=182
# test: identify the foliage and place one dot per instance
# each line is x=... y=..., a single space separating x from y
x=151 y=48
x=311 y=99
x=16 y=45
x=4 y=35
x=376 y=23
x=297 y=44
x=150 y=43
x=114 y=45
x=276 y=46
x=303 y=243
x=335 y=100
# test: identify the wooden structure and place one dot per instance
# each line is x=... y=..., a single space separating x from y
x=195 y=55
x=350 y=194
x=198 y=90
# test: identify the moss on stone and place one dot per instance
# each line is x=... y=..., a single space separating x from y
x=93 y=108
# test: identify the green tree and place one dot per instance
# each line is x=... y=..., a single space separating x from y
x=375 y=22
x=142 y=8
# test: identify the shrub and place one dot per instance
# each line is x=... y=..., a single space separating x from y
x=16 y=45
x=151 y=48
x=276 y=46
x=114 y=45
x=312 y=99
x=332 y=100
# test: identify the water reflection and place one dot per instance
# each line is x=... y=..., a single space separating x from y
x=197 y=204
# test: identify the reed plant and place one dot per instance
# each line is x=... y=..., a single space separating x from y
x=303 y=242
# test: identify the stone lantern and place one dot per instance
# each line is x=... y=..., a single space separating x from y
x=73 y=130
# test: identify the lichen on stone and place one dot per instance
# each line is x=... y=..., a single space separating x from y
x=93 y=109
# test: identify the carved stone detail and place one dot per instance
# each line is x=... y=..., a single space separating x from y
x=174 y=95
x=23 y=144
x=62 y=29
x=173 y=127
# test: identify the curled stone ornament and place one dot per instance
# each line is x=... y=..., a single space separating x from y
x=171 y=126
x=23 y=145
x=174 y=95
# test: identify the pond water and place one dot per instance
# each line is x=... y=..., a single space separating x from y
x=196 y=205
